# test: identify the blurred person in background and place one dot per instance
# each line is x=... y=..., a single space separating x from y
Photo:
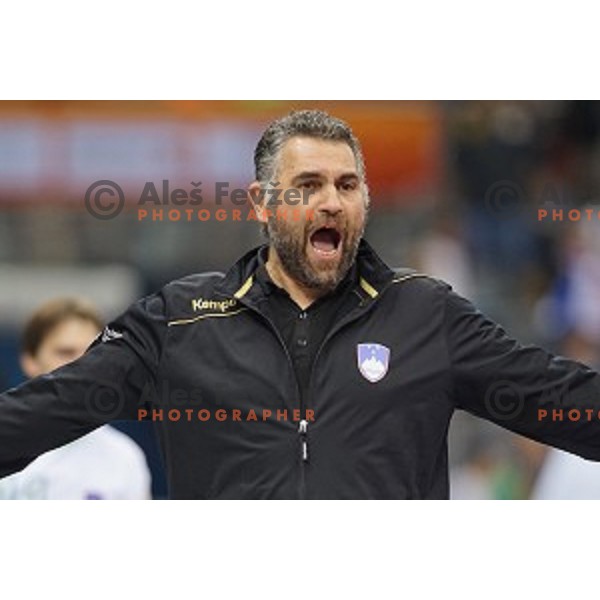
x=441 y=252
x=103 y=465
x=494 y=143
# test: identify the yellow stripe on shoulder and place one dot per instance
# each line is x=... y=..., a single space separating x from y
x=365 y=285
x=244 y=289
x=207 y=316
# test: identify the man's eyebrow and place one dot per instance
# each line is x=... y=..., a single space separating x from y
x=307 y=175
x=351 y=175
x=318 y=175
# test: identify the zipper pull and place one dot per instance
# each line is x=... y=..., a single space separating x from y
x=303 y=430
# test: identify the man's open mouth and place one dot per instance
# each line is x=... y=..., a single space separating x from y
x=326 y=241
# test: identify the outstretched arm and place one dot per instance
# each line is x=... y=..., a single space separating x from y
x=526 y=389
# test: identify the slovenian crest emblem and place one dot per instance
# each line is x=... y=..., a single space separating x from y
x=373 y=361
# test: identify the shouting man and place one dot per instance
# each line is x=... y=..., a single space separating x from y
x=310 y=369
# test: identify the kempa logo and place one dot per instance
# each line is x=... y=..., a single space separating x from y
x=220 y=305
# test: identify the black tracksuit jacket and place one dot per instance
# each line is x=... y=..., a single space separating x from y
x=201 y=347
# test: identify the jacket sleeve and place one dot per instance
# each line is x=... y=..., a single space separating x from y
x=107 y=383
x=523 y=388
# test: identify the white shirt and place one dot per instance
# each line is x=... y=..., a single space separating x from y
x=103 y=465
x=565 y=476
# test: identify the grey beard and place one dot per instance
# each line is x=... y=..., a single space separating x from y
x=291 y=254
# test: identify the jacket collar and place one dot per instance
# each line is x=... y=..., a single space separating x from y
x=240 y=282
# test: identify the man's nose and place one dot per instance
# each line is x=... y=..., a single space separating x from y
x=330 y=202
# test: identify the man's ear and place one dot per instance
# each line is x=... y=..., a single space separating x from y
x=29 y=365
x=256 y=196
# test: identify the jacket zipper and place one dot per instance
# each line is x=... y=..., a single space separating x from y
x=303 y=425
x=303 y=434
x=303 y=431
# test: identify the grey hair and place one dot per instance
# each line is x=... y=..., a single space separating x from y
x=310 y=123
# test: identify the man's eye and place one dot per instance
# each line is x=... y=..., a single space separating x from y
x=349 y=186
x=309 y=185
